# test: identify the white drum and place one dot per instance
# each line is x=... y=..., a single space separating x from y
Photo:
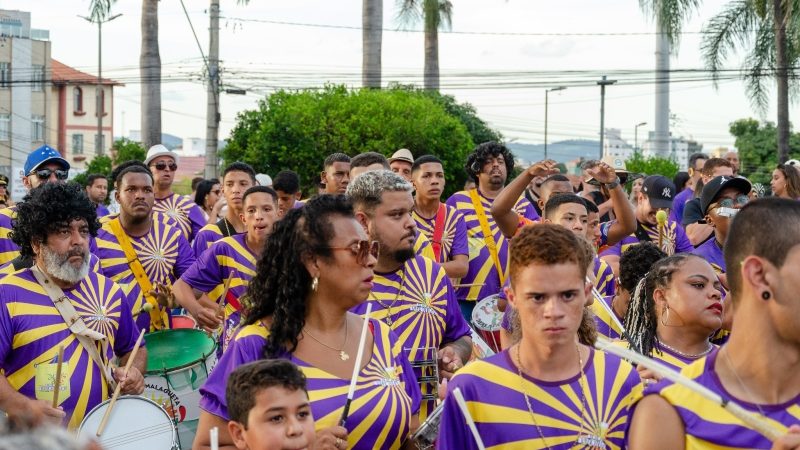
x=135 y=423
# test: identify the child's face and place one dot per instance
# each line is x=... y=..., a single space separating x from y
x=280 y=420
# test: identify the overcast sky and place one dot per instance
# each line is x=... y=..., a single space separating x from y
x=260 y=55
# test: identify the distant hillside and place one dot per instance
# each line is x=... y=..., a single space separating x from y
x=562 y=151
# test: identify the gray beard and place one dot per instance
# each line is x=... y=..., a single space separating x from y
x=58 y=266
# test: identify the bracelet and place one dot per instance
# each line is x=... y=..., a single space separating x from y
x=613 y=184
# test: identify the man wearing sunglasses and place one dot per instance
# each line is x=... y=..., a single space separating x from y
x=696 y=229
x=411 y=294
x=721 y=199
x=163 y=163
x=43 y=165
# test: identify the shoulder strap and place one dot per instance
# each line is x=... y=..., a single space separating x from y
x=85 y=335
x=641 y=234
x=225 y=228
x=488 y=237
x=158 y=318
x=438 y=230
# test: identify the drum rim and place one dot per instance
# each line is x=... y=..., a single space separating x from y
x=194 y=362
x=134 y=397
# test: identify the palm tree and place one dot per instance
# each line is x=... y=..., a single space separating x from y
x=768 y=31
x=150 y=73
x=435 y=14
x=99 y=9
x=372 y=38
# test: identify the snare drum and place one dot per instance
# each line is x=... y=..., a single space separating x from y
x=178 y=363
x=183 y=321
x=487 y=320
x=135 y=423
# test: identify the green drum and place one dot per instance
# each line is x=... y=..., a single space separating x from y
x=178 y=363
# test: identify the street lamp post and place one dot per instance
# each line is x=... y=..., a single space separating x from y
x=603 y=83
x=99 y=107
x=636 y=136
x=547 y=91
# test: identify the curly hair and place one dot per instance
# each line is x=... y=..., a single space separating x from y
x=281 y=284
x=641 y=322
x=548 y=244
x=483 y=153
x=248 y=380
x=47 y=208
x=635 y=262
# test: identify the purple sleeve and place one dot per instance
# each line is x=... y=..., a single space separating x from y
x=6 y=327
x=205 y=274
x=676 y=212
x=185 y=257
x=682 y=243
x=197 y=218
x=527 y=209
x=460 y=246
x=240 y=351
x=127 y=332
x=604 y=228
x=614 y=250
x=452 y=201
x=201 y=242
x=453 y=430
x=456 y=326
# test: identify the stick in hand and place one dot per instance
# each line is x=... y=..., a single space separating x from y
x=57 y=383
x=357 y=367
x=462 y=405
x=119 y=386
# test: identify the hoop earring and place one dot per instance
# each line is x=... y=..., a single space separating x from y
x=315 y=284
x=665 y=316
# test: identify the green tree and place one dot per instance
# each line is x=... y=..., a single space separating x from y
x=99 y=164
x=434 y=14
x=297 y=130
x=127 y=150
x=652 y=165
x=756 y=143
x=468 y=115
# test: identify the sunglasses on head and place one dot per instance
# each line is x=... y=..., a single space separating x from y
x=44 y=174
x=362 y=250
x=161 y=165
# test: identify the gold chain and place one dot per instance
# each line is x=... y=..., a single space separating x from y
x=389 y=320
x=342 y=354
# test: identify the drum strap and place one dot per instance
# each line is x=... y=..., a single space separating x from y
x=438 y=231
x=85 y=335
x=158 y=318
x=488 y=237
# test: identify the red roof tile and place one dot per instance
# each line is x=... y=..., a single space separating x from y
x=64 y=74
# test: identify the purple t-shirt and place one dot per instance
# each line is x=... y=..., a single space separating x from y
x=675 y=240
x=205 y=237
x=454 y=233
x=189 y=216
x=31 y=330
x=424 y=311
x=8 y=249
x=483 y=271
x=101 y=210
x=711 y=252
x=496 y=399
x=228 y=257
x=679 y=203
x=385 y=398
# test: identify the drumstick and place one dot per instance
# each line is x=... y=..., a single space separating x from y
x=214 y=432
x=599 y=298
x=57 y=382
x=357 y=367
x=470 y=423
x=752 y=420
x=467 y=285
x=119 y=386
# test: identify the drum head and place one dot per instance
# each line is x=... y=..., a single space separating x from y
x=175 y=349
x=486 y=316
x=135 y=423
x=180 y=322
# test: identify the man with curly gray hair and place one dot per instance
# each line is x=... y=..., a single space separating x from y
x=412 y=294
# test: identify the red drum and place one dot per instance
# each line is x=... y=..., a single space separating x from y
x=487 y=321
x=179 y=321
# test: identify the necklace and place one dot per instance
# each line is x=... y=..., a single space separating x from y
x=227 y=227
x=599 y=444
x=389 y=320
x=342 y=354
x=687 y=355
x=741 y=383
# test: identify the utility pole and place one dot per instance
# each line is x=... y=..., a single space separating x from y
x=603 y=83
x=547 y=91
x=212 y=111
x=636 y=135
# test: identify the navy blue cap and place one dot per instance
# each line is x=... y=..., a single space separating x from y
x=660 y=190
x=41 y=155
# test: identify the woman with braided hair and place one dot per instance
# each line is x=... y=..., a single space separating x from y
x=674 y=310
x=317 y=265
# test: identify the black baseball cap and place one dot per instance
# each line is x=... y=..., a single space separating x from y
x=660 y=190
x=712 y=189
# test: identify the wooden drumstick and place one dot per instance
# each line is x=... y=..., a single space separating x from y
x=357 y=367
x=119 y=386
x=599 y=298
x=463 y=285
x=462 y=405
x=752 y=420
x=214 y=437
x=57 y=382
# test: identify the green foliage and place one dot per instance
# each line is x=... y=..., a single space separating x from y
x=297 y=129
x=652 y=165
x=757 y=143
x=98 y=164
x=127 y=150
x=466 y=113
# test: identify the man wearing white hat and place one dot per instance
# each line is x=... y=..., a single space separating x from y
x=163 y=163
x=401 y=162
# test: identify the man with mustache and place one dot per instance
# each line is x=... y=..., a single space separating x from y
x=412 y=294
x=163 y=163
x=60 y=302
x=143 y=255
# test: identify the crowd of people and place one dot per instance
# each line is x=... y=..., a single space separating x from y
x=624 y=311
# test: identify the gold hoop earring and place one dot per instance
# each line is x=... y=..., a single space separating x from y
x=665 y=316
x=315 y=284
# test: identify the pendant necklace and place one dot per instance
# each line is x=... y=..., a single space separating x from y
x=342 y=354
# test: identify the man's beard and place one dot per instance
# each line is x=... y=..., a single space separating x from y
x=59 y=267
x=403 y=255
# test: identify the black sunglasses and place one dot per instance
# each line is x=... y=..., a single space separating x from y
x=361 y=250
x=44 y=174
x=161 y=165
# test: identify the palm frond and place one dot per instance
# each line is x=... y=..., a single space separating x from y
x=670 y=15
x=409 y=13
x=445 y=14
x=99 y=9
x=732 y=27
x=759 y=65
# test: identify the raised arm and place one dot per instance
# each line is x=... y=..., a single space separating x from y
x=626 y=220
x=503 y=207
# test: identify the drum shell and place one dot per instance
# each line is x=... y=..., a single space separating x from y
x=487 y=321
x=135 y=423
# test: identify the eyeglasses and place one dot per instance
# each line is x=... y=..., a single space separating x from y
x=361 y=250
x=161 y=165
x=731 y=202
x=44 y=174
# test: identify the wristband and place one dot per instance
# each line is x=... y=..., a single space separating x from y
x=613 y=184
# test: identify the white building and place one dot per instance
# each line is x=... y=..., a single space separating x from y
x=192 y=146
x=614 y=145
x=680 y=149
